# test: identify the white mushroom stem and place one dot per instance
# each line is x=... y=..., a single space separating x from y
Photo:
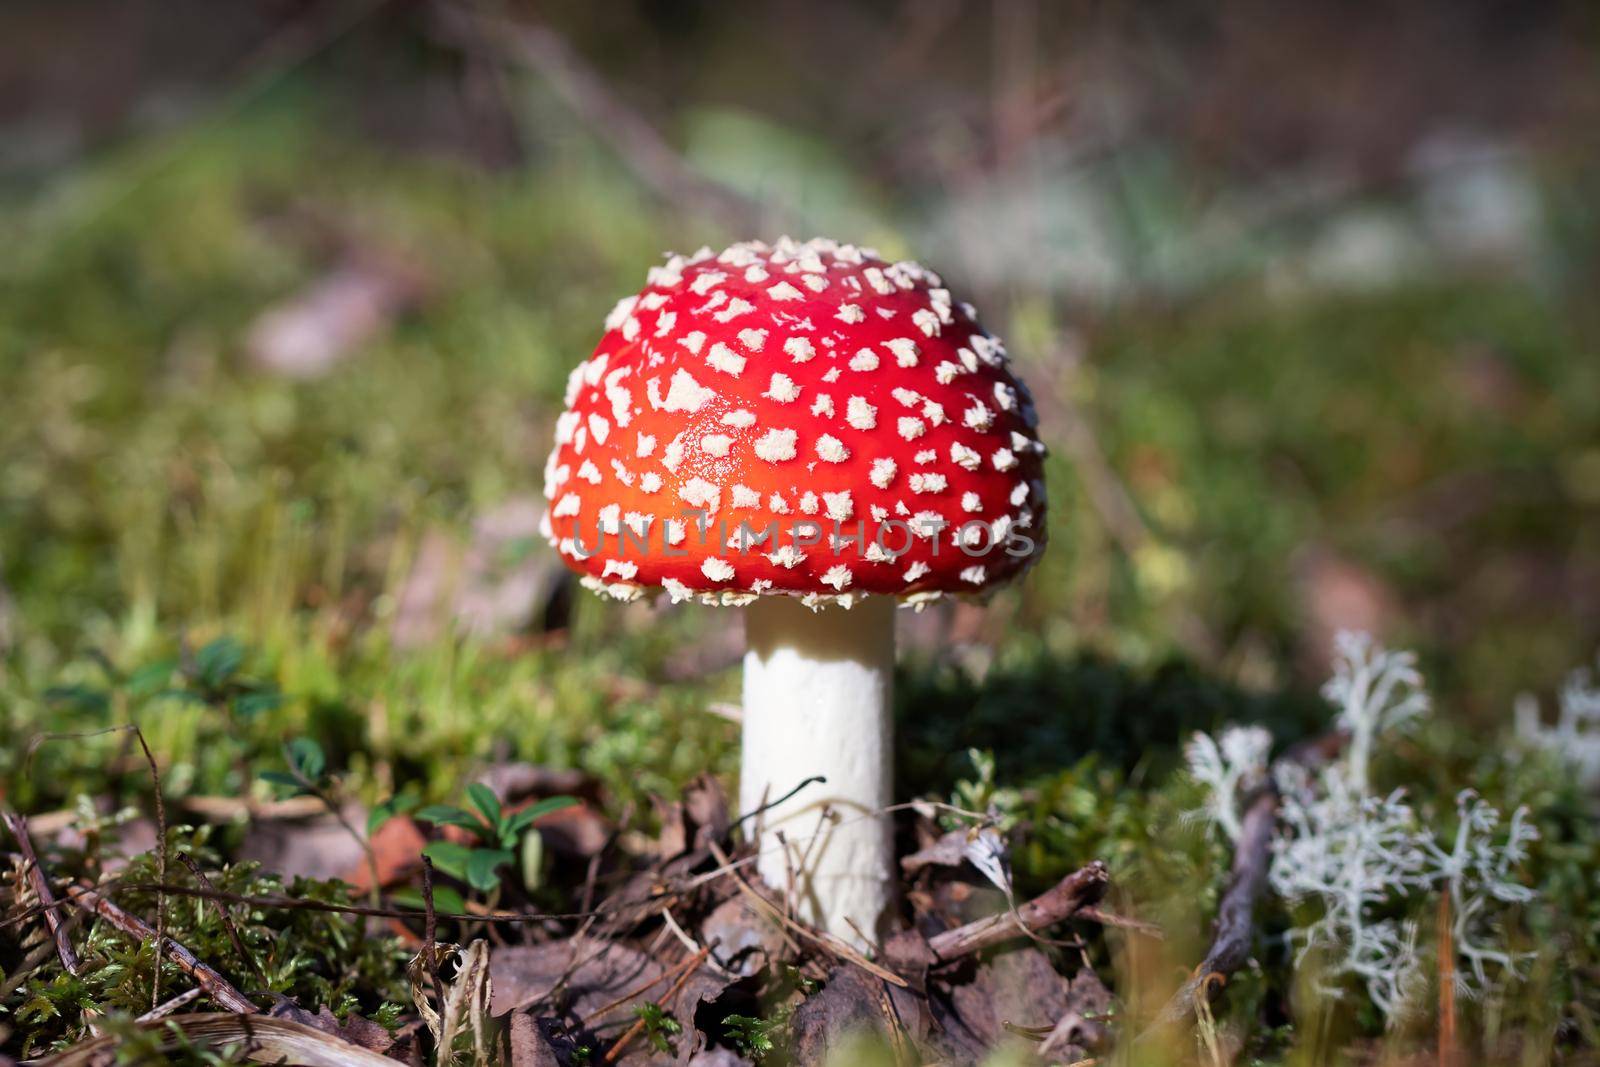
x=818 y=689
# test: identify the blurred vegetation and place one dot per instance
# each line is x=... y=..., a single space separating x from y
x=1430 y=441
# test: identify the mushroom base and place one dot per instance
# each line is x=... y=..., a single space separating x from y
x=818 y=690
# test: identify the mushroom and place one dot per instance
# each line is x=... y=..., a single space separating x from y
x=814 y=434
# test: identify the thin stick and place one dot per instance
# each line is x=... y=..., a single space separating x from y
x=430 y=929
x=1449 y=1049
x=18 y=825
x=633 y=1031
x=299 y=904
x=227 y=920
x=217 y=987
x=1230 y=946
x=1082 y=887
x=1252 y=858
x=689 y=961
x=1095 y=914
x=188 y=996
x=831 y=944
x=770 y=804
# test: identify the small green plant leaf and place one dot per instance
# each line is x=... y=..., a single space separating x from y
x=659 y=1027
x=486 y=802
x=752 y=1036
x=217 y=662
x=399 y=804
x=249 y=705
x=284 y=780
x=305 y=755
x=515 y=824
x=150 y=679
x=448 y=815
x=450 y=857
x=81 y=698
x=483 y=867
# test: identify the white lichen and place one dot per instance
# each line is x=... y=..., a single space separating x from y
x=1228 y=766
x=1360 y=858
x=1575 y=737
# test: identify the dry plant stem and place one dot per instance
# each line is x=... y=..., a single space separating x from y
x=1099 y=915
x=18 y=825
x=689 y=967
x=161 y=1011
x=1079 y=889
x=217 y=987
x=227 y=920
x=1252 y=857
x=1235 y=931
x=1449 y=1050
x=689 y=962
x=430 y=930
x=828 y=944
x=299 y=904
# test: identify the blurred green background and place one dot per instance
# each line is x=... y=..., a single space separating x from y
x=290 y=288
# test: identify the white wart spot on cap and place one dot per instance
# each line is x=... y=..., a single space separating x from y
x=782 y=389
x=725 y=359
x=718 y=570
x=905 y=351
x=832 y=449
x=838 y=576
x=776 y=446
x=860 y=414
x=686 y=394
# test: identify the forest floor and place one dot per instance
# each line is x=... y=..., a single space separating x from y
x=282 y=606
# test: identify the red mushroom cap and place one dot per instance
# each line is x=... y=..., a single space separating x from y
x=845 y=407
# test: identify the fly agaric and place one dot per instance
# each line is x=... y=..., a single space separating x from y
x=792 y=428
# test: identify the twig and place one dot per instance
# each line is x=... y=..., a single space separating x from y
x=161 y=1011
x=216 y=986
x=302 y=904
x=331 y=805
x=227 y=920
x=18 y=825
x=430 y=930
x=1230 y=945
x=685 y=940
x=1081 y=888
x=1449 y=1048
x=830 y=944
x=770 y=804
x=1252 y=857
x=1095 y=914
x=161 y=864
x=693 y=962
x=688 y=962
